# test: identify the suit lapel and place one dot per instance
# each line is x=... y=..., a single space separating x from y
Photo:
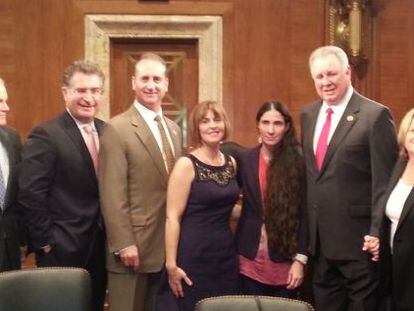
x=175 y=137
x=5 y=140
x=72 y=130
x=150 y=144
x=99 y=124
x=408 y=206
x=347 y=121
x=253 y=158
x=309 y=134
x=409 y=202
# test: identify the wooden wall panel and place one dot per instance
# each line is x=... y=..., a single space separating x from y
x=29 y=99
x=306 y=24
x=395 y=52
x=266 y=47
x=7 y=39
x=7 y=50
x=272 y=43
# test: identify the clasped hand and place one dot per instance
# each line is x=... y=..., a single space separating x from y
x=371 y=244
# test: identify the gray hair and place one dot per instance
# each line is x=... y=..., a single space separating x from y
x=84 y=66
x=325 y=51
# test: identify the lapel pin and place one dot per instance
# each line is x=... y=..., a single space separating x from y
x=350 y=118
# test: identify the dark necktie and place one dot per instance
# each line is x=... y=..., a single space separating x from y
x=322 y=146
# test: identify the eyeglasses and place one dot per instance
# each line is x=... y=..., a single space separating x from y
x=94 y=91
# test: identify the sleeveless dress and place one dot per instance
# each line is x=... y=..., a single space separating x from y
x=206 y=249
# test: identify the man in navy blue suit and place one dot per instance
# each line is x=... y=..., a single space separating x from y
x=11 y=229
x=349 y=144
x=58 y=181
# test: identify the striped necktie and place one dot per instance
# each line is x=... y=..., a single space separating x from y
x=169 y=156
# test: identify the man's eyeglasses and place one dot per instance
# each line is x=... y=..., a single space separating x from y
x=95 y=91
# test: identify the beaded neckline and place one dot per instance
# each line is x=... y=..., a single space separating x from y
x=221 y=175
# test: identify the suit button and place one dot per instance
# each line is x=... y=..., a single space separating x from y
x=315 y=206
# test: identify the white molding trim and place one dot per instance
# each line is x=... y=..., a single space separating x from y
x=207 y=30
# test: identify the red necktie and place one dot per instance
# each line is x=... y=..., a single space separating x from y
x=323 y=139
x=91 y=144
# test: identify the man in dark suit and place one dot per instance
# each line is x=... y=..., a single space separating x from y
x=350 y=147
x=11 y=230
x=58 y=181
x=137 y=155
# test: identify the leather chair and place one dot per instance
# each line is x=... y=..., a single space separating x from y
x=251 y=303
x=45 y=289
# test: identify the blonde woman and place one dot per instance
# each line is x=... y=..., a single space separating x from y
x=397 y=245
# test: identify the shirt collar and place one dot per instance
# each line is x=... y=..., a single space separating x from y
x=80 y=124
x=340 y=107
x=147 y=114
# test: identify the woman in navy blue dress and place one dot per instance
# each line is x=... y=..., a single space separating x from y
x=201 y=259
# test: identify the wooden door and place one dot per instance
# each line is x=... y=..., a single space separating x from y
x=181 y=57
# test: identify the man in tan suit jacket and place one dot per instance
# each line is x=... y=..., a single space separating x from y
x=133 y=173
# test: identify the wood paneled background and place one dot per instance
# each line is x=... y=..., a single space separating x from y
x=266 y=47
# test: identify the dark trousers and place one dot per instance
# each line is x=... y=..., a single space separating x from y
x=6 y=261
x=345 y=285
x=95 y=266
x=253 y=287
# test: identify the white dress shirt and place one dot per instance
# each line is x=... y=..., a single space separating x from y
x=395 y=206
x=4 y=164
x=338 y=110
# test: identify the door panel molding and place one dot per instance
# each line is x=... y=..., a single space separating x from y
x=207 y=30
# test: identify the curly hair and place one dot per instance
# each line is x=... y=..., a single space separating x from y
x=284 y=186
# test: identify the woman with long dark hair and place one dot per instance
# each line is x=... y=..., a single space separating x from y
x=272 y=235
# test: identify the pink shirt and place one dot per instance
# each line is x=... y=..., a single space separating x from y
x=262 y=268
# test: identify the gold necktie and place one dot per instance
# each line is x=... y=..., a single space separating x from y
x=169 y=156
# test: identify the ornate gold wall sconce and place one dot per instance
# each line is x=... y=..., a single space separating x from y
x=350 y=27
